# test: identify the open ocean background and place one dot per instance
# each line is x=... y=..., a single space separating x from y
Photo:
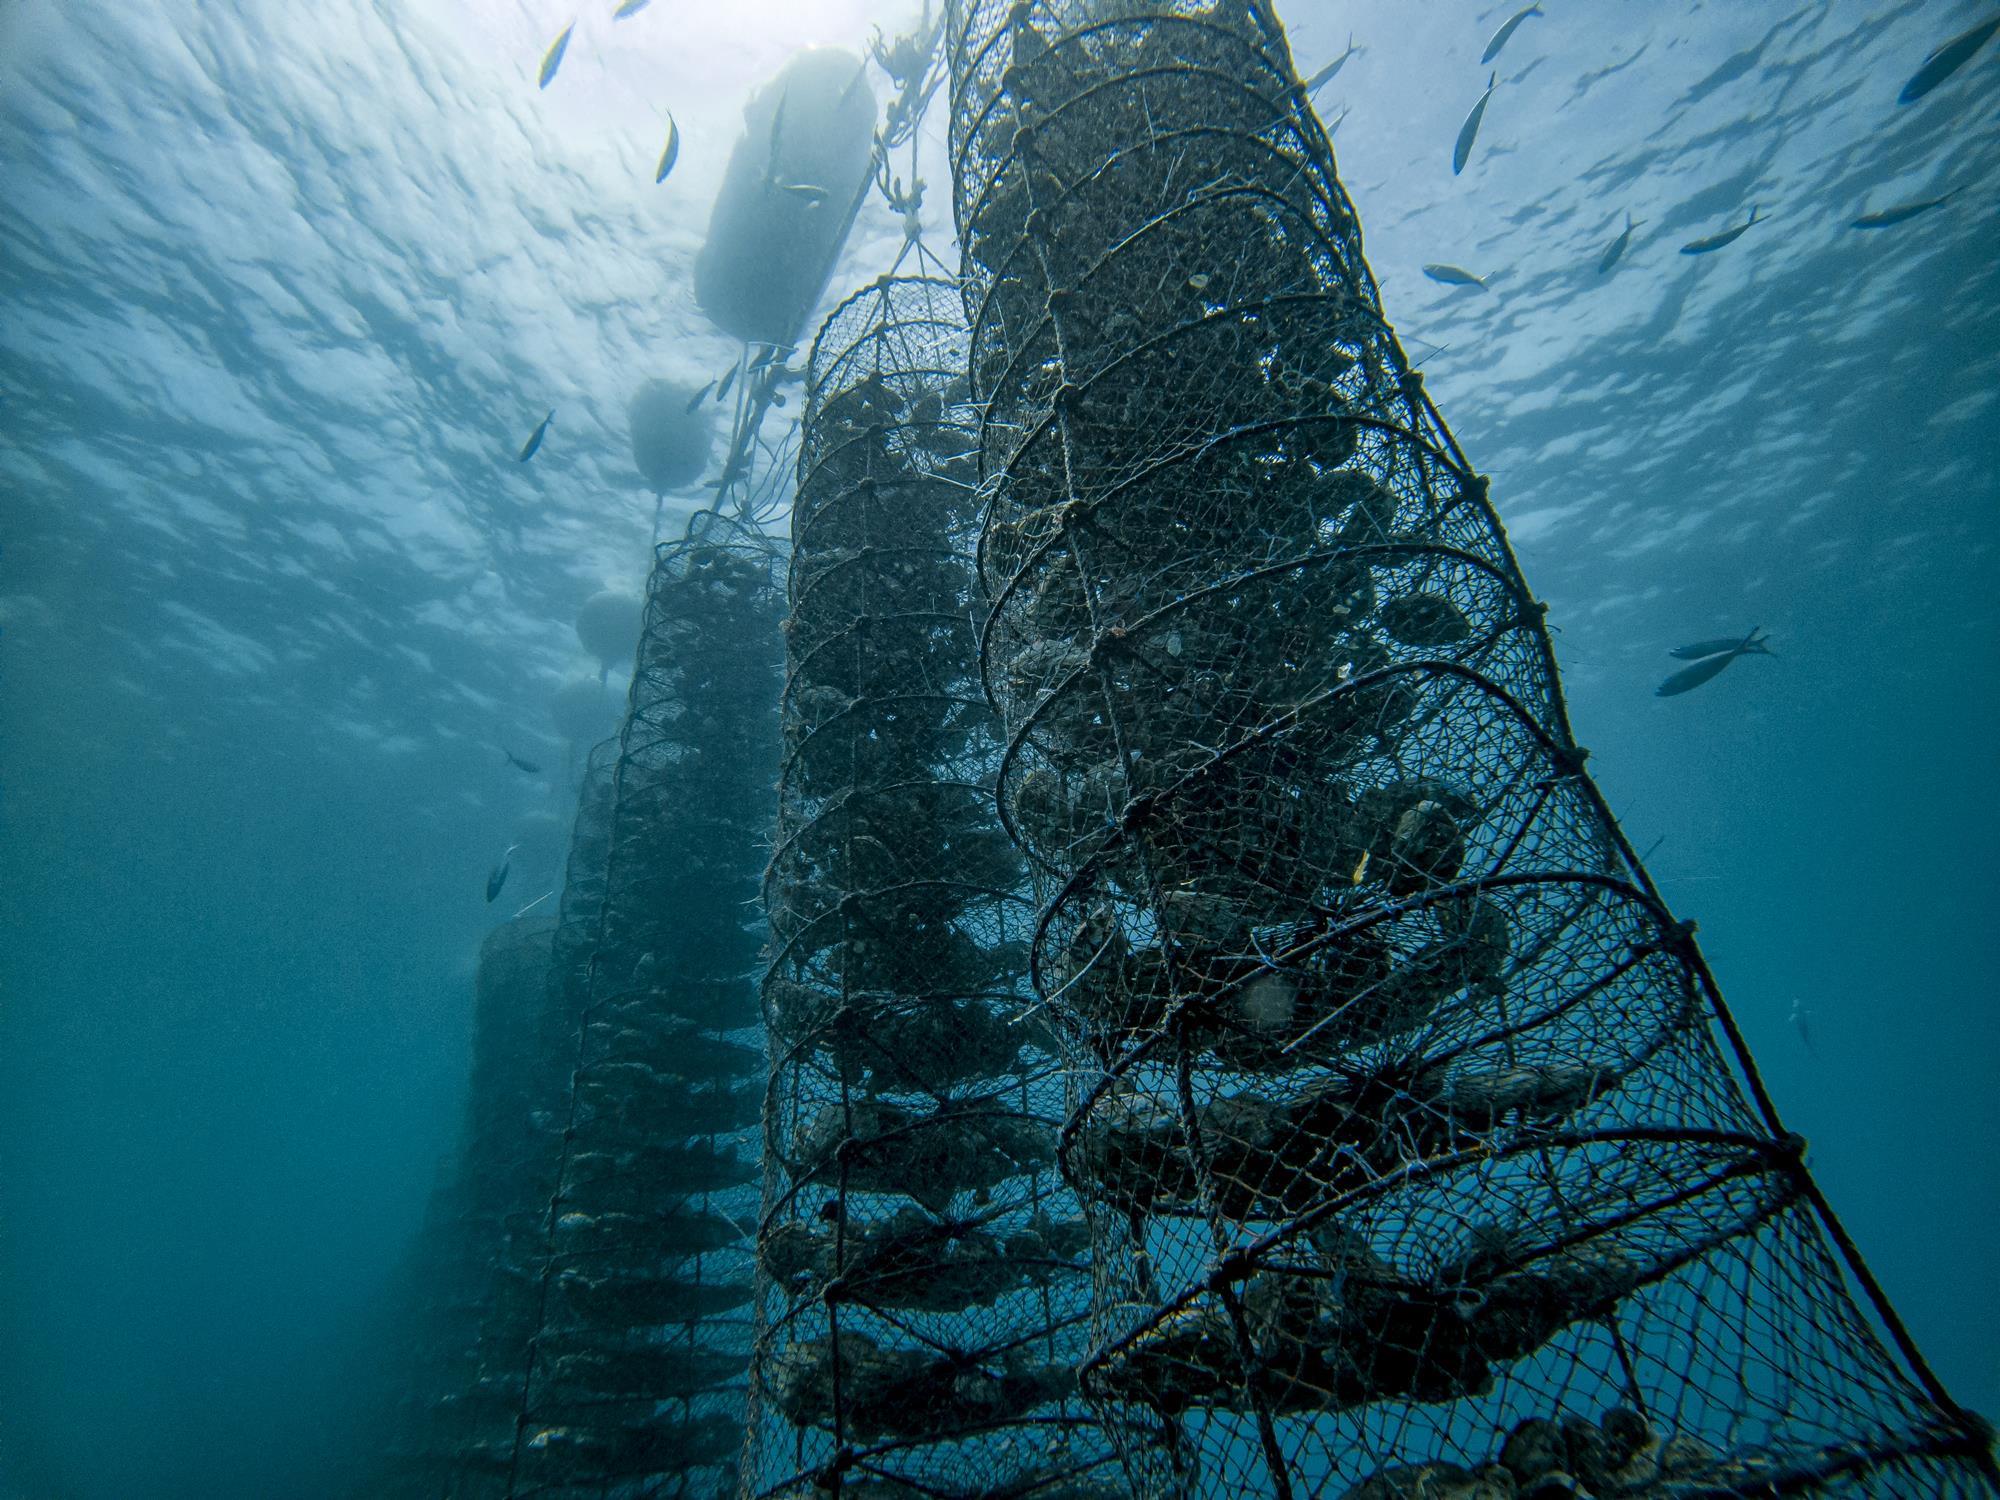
x=282 y=290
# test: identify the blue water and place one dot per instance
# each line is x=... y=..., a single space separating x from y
x=285 y=287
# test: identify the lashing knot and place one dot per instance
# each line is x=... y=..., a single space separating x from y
x=827 y=1476
x=1233 y=1268
x=1569 y=759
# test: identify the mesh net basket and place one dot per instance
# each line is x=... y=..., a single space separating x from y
x=1420 y=1156
x=923 y=1306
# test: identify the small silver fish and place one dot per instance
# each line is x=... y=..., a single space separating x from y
x=1324 y=76
x=1469 y=131
x=1507 y=29
x=498 y=877
x=1715 y=647
x=777 y=135
x=673 y=152
x=528 y=449
x=1689 y=678
x=701 y=395
x=854 y=84
x=722 y=391
x=1615 y=251
x=1801 y=1020
x=1454 y=276
x=813 y=196
x=519 y=764
x=629 y=8
x=1947 y=60
x=552 y=59
x=1716 y=241
x=1902 y=212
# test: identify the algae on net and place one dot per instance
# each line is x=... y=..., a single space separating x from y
x=1403 y=1110
x=626 y=1283
x=921 y=1301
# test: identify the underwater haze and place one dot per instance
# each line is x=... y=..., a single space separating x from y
x=283 y=617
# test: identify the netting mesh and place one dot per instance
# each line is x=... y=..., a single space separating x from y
x=633 y=1377
x=922 y=1301
x=480 y=1312
x=454 y=1308
x=1413 y=1164
x=599 y=1269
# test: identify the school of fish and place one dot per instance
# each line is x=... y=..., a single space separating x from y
x=1709 y=658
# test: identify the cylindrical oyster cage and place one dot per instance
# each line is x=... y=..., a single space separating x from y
x=633 y=1378
x=1408 y=1116
x=922 y=1307
x=451 y=1307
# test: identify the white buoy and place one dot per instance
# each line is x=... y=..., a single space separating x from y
x=671 y=433
x=608 y=627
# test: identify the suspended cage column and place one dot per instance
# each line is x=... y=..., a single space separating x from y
x=1422 y=1155
x=446 y=1434
x=633 y=1375
x=921 y=1305
x=510 y=1160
